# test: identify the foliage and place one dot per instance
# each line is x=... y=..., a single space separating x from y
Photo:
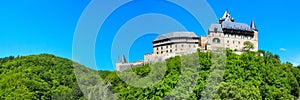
x=246 y=76
x=38 y=77
x=199 y=75
x=248 y=45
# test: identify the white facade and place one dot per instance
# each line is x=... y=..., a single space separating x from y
x=230 y=34
x=172 y=44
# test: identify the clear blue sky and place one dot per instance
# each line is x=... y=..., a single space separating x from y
x=47 y=26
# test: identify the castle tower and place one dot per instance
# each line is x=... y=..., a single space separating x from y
x=123 y=59
x=119 y=66
x=255 y=37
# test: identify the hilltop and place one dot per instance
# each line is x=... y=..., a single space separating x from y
x=246 y=76
x=38 y=77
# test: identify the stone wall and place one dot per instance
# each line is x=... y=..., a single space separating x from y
x=233 y=42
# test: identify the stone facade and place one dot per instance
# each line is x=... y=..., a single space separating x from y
x=172 y=44
x=225 y=34
x=123 y=64
x=230 y=34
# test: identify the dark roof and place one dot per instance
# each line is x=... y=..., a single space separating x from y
x=215 y=26
x=176 y=35
x=236 y=26
x=227 y=16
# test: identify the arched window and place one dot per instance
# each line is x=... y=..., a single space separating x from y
x=216 y=40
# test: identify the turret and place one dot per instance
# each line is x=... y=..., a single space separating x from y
x=123 y=59
x=226 y=17
x=253 y=26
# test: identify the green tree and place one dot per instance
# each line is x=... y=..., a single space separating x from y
x=248 y=46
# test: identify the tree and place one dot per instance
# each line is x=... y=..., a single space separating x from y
x=248 y=46
x=247 y=76
x=38 y=77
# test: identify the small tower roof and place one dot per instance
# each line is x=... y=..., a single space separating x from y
x=124 y=59
x=226 y=17
x=253 y=26
x=226 y=14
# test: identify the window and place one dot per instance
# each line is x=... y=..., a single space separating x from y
x=239 y=42
x=161 y=52
x=227 y=41
x=167 y=47
x=194 y=46
x=171 y=51
x=161 y=47
x=167 y=51
x=182 y=45
x=170 y=46
x=189 y=46
x=156 y=52
x=176 y=46
x=156 y=48
x=216 y=40
x=233 y=42
x=216 y=30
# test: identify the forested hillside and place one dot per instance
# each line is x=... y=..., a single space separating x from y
x=246 y=76
x=38 y=77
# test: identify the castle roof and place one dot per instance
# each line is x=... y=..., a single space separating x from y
x=227 y=16
x=215 y=26
x=227 y=22
x=176 y=35
x=236 y=26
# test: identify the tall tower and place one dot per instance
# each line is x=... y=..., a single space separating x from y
x=123 y=59
x=255 y=37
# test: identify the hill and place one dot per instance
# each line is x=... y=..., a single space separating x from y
x=246 y=76
x=38 y=77
x=195 y=76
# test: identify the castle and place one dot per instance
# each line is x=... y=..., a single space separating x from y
x=226 y=34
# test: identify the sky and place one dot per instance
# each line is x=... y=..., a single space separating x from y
x=47 y=26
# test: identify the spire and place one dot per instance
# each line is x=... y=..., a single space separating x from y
x=226 y=14
x=253 y=26
x=123 y=59
x=226 y=17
